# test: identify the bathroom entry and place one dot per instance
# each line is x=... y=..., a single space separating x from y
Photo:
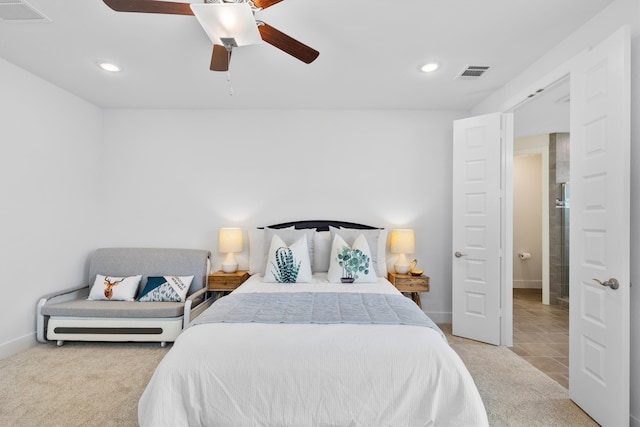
x=541 y=126
x=541 y=216
x=541 y=254
x=527 y=220
x=541 y=173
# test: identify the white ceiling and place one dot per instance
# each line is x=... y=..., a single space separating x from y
x=370 y=53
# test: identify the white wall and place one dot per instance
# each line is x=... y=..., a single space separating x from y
x=635 y=231
x=73 y=182
x=178 y=176
x=549 y=67
x=547 y=112
x=527 y=220
x=48 y=177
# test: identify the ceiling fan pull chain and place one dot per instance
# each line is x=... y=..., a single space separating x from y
x=229 y=73
x=230 y=84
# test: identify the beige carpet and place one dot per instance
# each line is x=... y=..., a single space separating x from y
x=96 y=384
x=514 y=392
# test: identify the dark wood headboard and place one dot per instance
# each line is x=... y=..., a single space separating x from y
x=322 y=225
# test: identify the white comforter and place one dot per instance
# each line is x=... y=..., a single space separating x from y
x=249 y=374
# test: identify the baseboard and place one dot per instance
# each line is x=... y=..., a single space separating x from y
x=527 y=284
x=17 y=345
x=440 y=317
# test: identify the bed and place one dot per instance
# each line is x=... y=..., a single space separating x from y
x=312 y=353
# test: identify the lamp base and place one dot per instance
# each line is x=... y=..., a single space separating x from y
x=402 y=265
x=229 y=265
x=402 y=269
x=229 y=268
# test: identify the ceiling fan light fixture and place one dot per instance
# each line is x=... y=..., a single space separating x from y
x=228 y=21
x=429 y=67
x=107 y=66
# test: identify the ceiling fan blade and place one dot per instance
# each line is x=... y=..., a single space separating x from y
x=150 y=6
x=287 y=44
x=220 y=58
x=263 y=4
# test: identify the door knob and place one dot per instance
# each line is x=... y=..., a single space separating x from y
x=459 y=254
x=612 y=283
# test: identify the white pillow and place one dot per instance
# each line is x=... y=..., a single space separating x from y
x=351 y=261
x=256 y=249
x=112 y=288
x=288 y=236
x=288 y=264
x=382 y=253
x=377 y=240
x=321 y=251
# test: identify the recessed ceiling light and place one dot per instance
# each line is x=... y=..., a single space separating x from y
x=109 y=67
x=429 y=67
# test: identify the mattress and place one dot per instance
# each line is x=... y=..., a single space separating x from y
x=311 y=374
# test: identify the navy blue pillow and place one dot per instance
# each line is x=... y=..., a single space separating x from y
x=166 y=288
x=152 y=283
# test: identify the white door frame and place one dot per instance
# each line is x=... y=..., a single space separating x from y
x=506 y=222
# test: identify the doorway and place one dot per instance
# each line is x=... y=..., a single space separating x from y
x=600 y=223
x=540 y=232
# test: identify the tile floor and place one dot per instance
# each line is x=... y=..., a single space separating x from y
x=541 y=334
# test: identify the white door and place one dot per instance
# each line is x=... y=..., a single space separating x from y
x=599 y=315
x=476 y=241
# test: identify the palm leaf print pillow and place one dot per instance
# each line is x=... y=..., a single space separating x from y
x=288 y=264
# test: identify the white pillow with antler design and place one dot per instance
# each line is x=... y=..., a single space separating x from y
x=288 y=264
x=114 y=288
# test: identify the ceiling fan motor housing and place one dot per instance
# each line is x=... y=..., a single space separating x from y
x=228 y=42
x=228 y=21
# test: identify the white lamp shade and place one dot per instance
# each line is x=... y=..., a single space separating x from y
x=228 y=20
x=230 y=240
x=402 y=241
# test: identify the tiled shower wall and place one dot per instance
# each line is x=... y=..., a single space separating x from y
x=558 y=220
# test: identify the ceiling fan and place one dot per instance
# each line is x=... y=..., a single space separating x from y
x=228 y=23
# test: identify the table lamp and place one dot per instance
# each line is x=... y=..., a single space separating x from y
x=230 y=241
x=402 y=242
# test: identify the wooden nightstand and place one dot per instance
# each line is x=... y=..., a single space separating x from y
x=226 y=282
x=406 y=283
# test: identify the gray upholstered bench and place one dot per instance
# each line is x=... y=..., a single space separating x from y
x=69 y=316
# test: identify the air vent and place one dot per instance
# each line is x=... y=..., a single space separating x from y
x=19 y=11
x=472 y=72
